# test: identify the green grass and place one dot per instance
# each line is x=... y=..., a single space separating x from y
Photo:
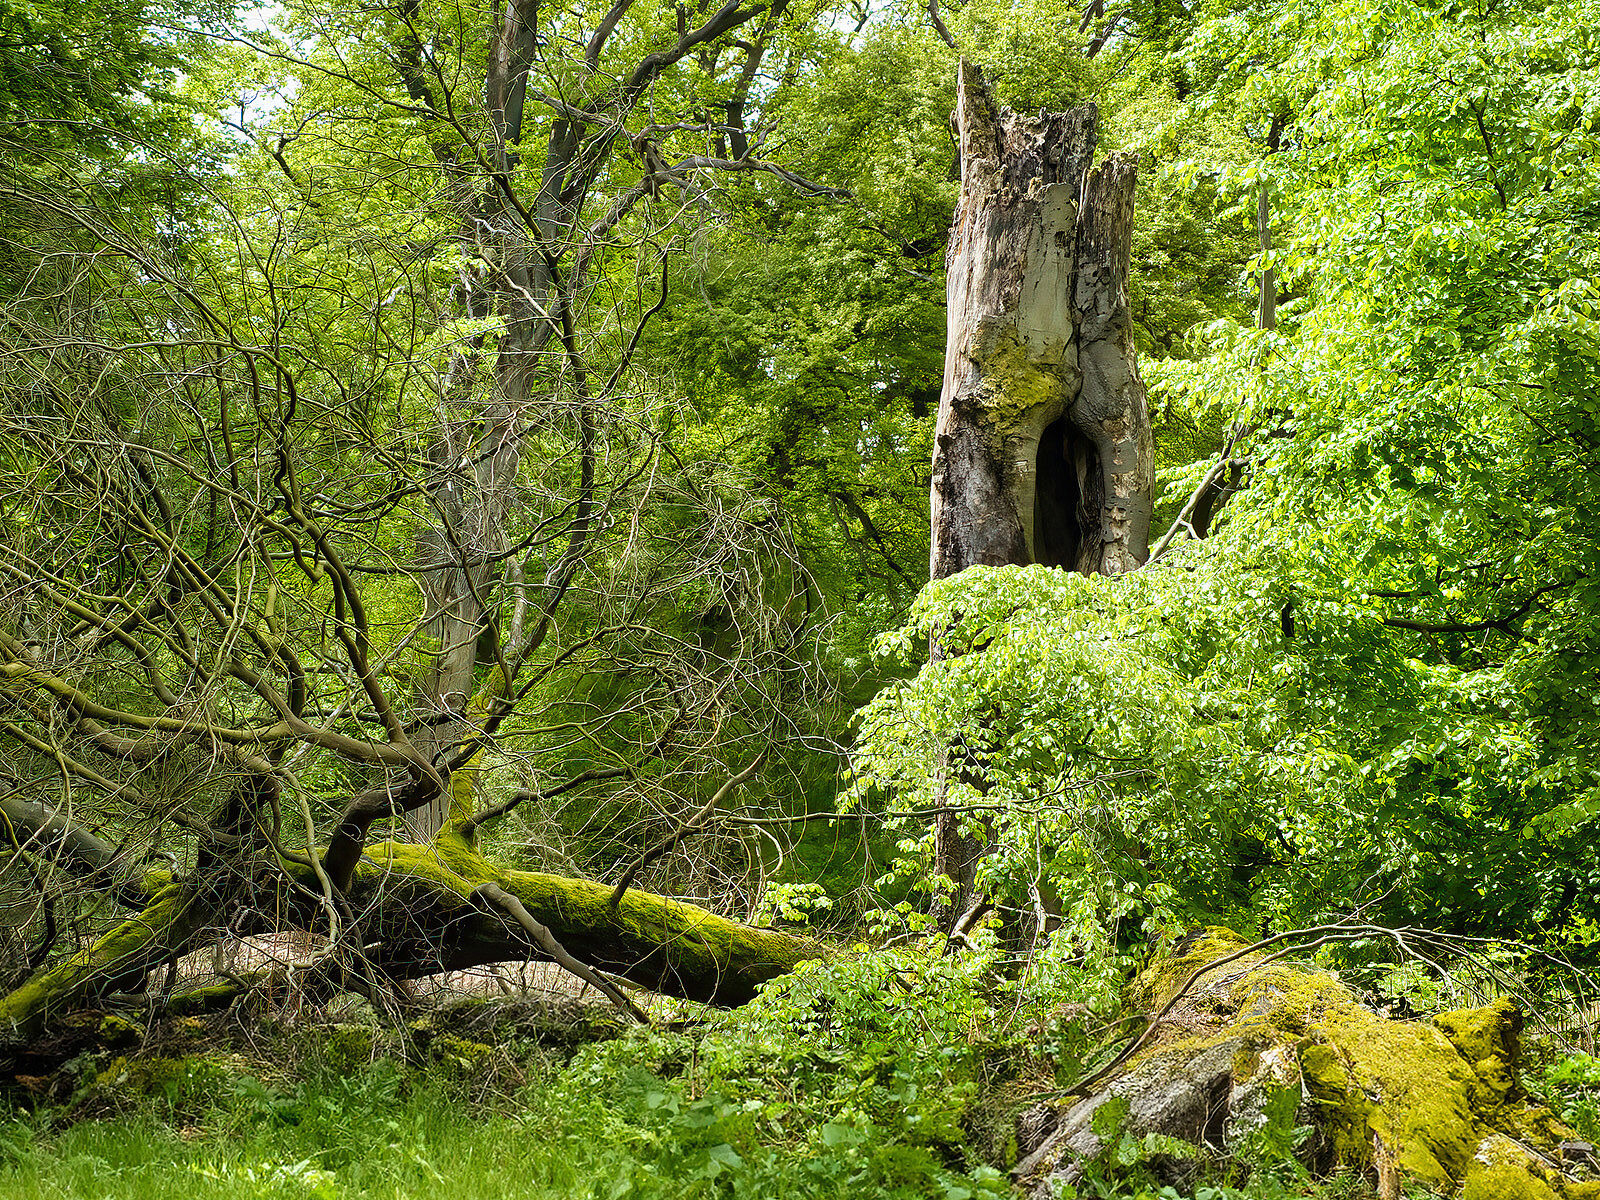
x=428 y=1146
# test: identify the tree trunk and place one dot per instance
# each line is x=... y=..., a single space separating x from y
x=1042 y=450
x=478 y=450
x=423 y=911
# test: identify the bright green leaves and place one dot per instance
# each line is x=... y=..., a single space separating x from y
x=1412 y=669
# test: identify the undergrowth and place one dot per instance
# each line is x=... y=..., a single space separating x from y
x=891 y=1074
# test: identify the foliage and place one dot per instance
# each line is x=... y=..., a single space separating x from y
x=79 y=77
x=1376 y=679
x=875 y=1074
x=1572 y=1086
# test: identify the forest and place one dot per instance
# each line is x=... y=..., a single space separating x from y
x=800 y=598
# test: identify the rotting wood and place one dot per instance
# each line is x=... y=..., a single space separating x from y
x=1042 y=449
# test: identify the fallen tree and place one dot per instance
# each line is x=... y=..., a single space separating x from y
x=425 y=912
x=392 y=911
x=1434 y=1104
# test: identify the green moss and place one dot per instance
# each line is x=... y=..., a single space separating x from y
x=463 y=797
x=1424 y=1111
x=1433 y=1093
x=1342 y=1108
x=1159 y=982
x=448 y=865
x=347 y=1049
x=117 y=1032
x=651 y=939
x=187 y=1084
x=1016 y=381
x=203 y=999
x=1287 y=1000
x=1505 y=1181
x=1533 y=1125
x=458 y=1057
x=1487 y=1038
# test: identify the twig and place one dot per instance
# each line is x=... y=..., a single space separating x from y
x=671 y=843
x=547 y=942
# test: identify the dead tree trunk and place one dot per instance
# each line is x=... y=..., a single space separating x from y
x=1042 y=450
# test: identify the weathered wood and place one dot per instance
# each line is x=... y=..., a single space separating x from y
x=1110 y=412
x=1042 y=450
x=1430 y=1106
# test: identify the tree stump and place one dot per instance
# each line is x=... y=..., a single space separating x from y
x=1042 y=450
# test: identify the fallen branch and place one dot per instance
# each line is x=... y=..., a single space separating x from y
x=547 y=942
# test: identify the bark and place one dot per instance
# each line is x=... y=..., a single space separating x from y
x=1267 y=304
x=1267 y=301
x=1042 y=448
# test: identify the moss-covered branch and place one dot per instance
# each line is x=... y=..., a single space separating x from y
x=428 y=918
x=166 y=926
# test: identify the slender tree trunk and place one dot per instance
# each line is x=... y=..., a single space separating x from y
x=1042 y=449
x=478 y=449
x=1267 y=307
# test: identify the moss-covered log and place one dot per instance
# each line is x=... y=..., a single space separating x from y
x=167 y=925
x=423 y=911
x=1430 y=1103
x=427 y=918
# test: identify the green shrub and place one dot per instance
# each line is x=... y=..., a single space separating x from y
x=1572 y=1088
